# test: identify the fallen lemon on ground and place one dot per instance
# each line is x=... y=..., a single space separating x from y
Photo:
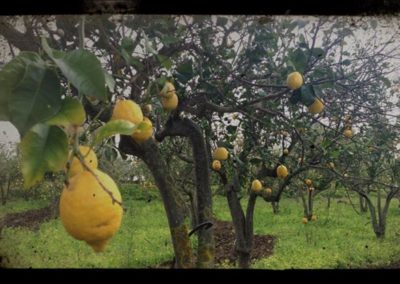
x=127 y=110
x=348 y=133
x=90 y=159
x=87 y=211
x=294 y=80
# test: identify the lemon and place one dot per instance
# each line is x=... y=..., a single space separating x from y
x=170 y=103
x=90 y=159
x=331 y=165
x=220 y=154
x=308 y=182
x=268 y=191
x=282 y=171
x=87 y=212
x=256 y=186
x=147 y=108
x=285 y=151
x=294 y=80
x=348 y=133
x=127 y=110
x=316 y=107
x=168 y=90
x=314 y=218
x=304 y=220
x=144 y=131
x=216 y=165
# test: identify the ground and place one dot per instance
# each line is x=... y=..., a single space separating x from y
x=340 y=238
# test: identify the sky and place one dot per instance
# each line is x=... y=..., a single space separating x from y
x=8 y=132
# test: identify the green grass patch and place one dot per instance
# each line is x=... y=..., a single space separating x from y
x=338 y=239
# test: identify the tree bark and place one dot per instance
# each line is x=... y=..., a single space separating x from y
x=151 y=155
x=275 y=207
x=176 y=126
x=363 y=204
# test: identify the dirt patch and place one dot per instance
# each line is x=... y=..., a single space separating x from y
x=224 y=234
x=30 y=219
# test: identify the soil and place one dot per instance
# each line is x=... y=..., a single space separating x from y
x=263 y=245
x=30 y=219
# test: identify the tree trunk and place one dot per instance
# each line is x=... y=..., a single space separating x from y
x=3 y=198
x=173 y=205
x=363 y=204
x=275 y=207
x=329 y=202
x=176 y=126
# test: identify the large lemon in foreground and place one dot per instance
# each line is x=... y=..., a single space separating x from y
x=90 y=159
x=87 y=211
x=170 y=103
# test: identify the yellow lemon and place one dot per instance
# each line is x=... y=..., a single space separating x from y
x=282 y=171
x=314 y=218
x=216 y=165
x=90 y=159
x=127 y=110
x=304 y=220
x=268 y=191
x=170 y=103
x=308 y=182
x=168 y=90
x=87 y=212
x=220 y=154
x=294 y=80
x=316 y=107
x=348 y=133
x=147 y=108
x=285 y=152
x=256 y=186
x=144 y=131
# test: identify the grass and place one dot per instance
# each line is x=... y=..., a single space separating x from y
x=338 y=239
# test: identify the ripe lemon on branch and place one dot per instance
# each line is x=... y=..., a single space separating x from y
x=316 y=107
x=90 y=159
x=127 y=110
x=348 y=133
x=170 y=103
x=282 y=171
x=221 y=154
x=88 y=213
x=168 y=90
x=295 y=80
x=144 y=131
x=256 y=186
x=216 y=165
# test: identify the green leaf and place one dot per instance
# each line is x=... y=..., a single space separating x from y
x=148 y=45
x=317 y=52
x=36 y=98
x=299 y=60
x=127 y=44
x=164 y=61
x=130 y=60
x=82 y=69
x=307 y=95
x=71 y=113
x=44 y=148
x=185 y=71
x=114 y=127
x=110 y=82
x=10 y=75
x=222 y=21
x=346 y=62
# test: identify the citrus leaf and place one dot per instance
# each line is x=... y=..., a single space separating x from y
x=71 y=113
x=44 y=148
x=10 y=75
x=36 y=98
x=114 y=127
x=110 y=82
x=82 y=68
x=164 y=61
x=127 y=44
